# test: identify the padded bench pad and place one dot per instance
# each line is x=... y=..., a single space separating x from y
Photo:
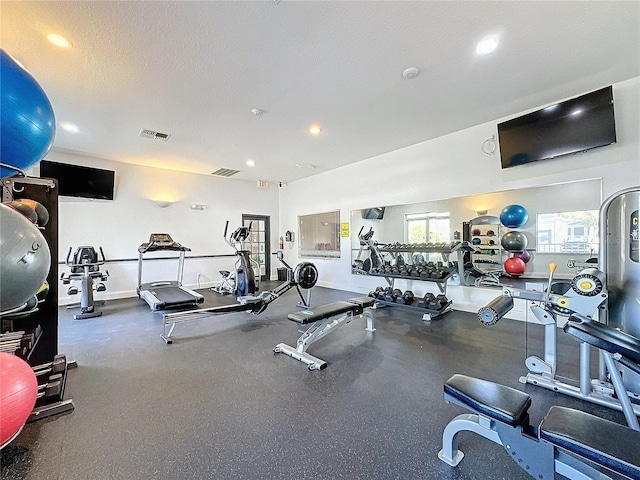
x=501 y=403
x=364 y=302
x=604 y=337
x=325 y=311
x=607 y=443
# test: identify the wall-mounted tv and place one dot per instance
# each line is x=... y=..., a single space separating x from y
x=572 y=126
x=373 y=213
x=78 y=181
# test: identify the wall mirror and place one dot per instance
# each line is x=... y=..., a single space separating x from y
x=319 y=235
x=562 y=224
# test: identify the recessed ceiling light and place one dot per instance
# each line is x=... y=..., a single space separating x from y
x=577 y=111
x=58 y=40
x=315 y=130
x=69 y=127
x=250 y=163
x=487 y=45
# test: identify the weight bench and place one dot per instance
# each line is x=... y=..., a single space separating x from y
x=568 y=442
x=324 y=319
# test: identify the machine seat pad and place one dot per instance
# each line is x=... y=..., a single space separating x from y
x=324 y=311
x=364 y=302
x=604 y=337
x=498 y=402
x=604 y=442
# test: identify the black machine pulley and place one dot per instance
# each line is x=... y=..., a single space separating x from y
x=305 y=275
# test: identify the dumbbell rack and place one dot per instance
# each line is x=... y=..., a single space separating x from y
x=445 y=250
x=417 y=307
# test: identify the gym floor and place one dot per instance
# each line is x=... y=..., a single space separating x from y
x=219 y=404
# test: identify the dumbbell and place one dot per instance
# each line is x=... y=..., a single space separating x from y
x=52 y=390
x=407 y=297
x=396 y=295
x=442 y=301
x=58 y=365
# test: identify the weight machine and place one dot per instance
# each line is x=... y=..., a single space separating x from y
x=582 y=296
x=85 y=268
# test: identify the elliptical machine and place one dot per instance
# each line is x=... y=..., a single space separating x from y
x=85 y=268
x=243 y=281
x=369 y=256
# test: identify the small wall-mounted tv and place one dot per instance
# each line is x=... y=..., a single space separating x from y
x=373 y=213
x=78 y=181
x=572 y=126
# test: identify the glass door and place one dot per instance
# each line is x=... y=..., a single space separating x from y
x=259 y=242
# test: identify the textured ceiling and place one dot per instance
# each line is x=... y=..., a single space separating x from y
x=196 y=69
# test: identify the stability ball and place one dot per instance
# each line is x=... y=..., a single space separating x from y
x=41 y=212
x=514 y=241
x=27 y=123
x=18 y=392
x=524 y=255
x=514 y=216
x=514 y=266
x=24 y=259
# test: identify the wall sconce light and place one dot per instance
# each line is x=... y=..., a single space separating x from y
x=198 y=206
x=162 y=203
x=482 y=212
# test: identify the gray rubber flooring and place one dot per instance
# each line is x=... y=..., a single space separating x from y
x=219 y=404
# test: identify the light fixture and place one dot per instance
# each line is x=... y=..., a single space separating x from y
x=257 y=112
x=576 y=112
x=162 y=203
x=315 y=130
x=250 y=163
x=487 y=45
x=482 y=212
x=58 y=40
x=69 y=127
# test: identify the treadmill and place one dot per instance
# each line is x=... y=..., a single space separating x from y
x=164 y=295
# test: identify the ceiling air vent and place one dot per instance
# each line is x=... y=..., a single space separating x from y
x=225 y=172
x=146 y=133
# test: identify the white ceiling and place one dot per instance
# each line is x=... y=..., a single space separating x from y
x=196 y=69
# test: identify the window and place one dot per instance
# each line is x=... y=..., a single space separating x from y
x=427 y=227
x=568 y=232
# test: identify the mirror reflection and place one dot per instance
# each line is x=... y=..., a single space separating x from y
x=560 y=226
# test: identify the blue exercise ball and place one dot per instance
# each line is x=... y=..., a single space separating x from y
x=27 y=123
x=514 y=241
x=514 y=216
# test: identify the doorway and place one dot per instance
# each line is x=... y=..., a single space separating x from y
x=260 y=248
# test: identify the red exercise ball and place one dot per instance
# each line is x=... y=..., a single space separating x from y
x=18 y=392
x=514 y=266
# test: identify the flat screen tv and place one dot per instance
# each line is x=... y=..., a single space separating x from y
x=77 y=181
x=373 y=213
x=572 y=126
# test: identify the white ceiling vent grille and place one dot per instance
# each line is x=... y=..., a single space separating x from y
x=225 y=172
x=146 y=133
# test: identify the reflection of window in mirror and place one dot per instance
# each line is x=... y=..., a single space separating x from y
x=427 y=227
x=319 y=235
x=568 y=232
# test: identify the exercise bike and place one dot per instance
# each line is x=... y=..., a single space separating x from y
x=243 y=280
x=85 y=268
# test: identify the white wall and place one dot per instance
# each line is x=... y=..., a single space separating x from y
x=120 y=226
x=454 y=166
